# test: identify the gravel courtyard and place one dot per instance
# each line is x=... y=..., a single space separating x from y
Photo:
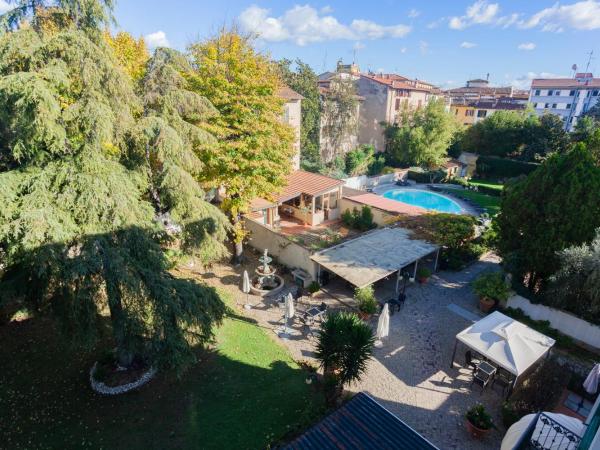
x=410 y=375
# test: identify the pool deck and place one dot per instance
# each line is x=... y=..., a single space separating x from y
x=467 y=209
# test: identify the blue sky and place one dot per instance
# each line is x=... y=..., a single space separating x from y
x=444 y=42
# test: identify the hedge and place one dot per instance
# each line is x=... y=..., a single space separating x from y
x=419 y=177
x=495 y=167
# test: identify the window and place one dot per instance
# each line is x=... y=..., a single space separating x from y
x=595 y=93
x=456 y=112
x=556 y=92
x=546 y=105
x=550 y=92
x=537 y=92
x=568 y=106
x=554 y=105
x=469 y=112
x=481 y=113
x=419 y=104
x=572 y=93
x=397 y=104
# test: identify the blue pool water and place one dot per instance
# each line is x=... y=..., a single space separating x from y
x=424 y=199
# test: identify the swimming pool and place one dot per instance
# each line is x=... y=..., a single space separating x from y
x=424 y=199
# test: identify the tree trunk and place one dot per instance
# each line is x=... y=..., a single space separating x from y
x=238 y=240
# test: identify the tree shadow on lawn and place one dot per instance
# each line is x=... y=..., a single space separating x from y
x=224 y=401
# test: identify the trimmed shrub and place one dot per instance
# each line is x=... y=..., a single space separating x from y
x=359 y=219
x=494 y=167
x=419 y=177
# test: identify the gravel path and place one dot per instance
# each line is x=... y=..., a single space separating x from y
x=411 y=374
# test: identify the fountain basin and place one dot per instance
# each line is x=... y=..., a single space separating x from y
x=277 y=286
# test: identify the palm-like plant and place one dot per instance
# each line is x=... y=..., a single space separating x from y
x=344 y=347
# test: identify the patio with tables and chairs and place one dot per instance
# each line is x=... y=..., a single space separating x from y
x=506 y=350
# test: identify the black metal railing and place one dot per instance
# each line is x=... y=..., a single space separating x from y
x=545 y=433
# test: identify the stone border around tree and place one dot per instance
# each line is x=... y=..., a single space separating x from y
x=103 y=389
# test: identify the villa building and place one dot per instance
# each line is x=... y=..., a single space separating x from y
x=292 y=115
x=568 y=98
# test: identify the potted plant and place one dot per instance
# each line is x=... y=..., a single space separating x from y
x=423 y=274
x=367 y=303
x=491 y=289
x=314 y=287
x=479 y=422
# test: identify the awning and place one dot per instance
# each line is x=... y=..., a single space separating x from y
x=506 y=342
x=373 y=256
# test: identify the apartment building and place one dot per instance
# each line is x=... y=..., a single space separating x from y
x=568 y=98
x=480 y=90
x=292 y=115
x=470 y=112
x=385 y=96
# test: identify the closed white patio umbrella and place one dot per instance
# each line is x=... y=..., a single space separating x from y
x=591 y=382
x=383 y=326
x=288 y=314
x=246 y=288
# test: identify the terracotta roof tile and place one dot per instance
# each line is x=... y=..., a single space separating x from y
x=301 y=182
x=563 y=83
x=289 y=94
x=386 y=204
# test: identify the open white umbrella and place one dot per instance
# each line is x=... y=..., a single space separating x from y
x=288 y=314
x=383 y=326
x=246 y=288
x=591 y=382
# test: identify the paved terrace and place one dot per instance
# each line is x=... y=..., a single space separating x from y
x=411 y=374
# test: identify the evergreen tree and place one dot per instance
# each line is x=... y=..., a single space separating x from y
x=80 y=224
x=556 y=206
x=254 y=149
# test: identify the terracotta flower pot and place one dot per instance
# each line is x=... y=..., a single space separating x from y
x=485 y=304
x=477 y=433
x=423 y=280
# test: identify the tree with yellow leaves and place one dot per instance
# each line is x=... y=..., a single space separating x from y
x=254 y=147
x=131 y=53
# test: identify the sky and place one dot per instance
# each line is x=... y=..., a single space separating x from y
x=443 y=42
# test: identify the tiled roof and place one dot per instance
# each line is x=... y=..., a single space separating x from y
x=289 y=94
x=260 y=203
x=364 y=424
x=497 y=105
x=483 y=90
x=564 y=83
x=385 y=204
x=301 y=182
x=400 y=82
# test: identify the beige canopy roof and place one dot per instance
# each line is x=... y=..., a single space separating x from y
x=373 y=256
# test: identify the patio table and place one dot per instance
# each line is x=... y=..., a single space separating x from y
x=487 y=368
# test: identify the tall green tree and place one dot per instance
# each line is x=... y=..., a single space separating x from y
x=556 y=206
x=544 y=137
x=422 y=136
x=131 y=53
x=576 y=285
x=303 y=80
x=254 y=149
x=587 y=130
x=81 y=225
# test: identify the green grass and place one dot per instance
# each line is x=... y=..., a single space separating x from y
x=248 y=393
x=489 y=202
x=487 y=183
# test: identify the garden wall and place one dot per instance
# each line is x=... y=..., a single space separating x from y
x=564 y=322
x=380 y=217
x=285 y=251
x=362 y=182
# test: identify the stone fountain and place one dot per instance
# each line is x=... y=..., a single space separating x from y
x=266 y=281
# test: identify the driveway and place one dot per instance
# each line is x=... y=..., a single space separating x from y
x=411 y=374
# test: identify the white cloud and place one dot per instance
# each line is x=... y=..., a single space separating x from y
x=480 y=12
x=403 y=50
x=468 y=44
x=304 y=25
x=358 y=46
x=583 y=15
x=157 y=39
x=424 y=47
x=524 y=81
x=326 y=10
x=436 y=23
x=4 y=6
x=526 y=46
x=414 y=13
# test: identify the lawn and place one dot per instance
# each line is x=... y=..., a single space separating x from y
x=247 y=393
x=488 y=184
x=489 y=202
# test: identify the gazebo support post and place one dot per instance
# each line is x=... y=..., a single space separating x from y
x=398 y=281
x=437 y=255
x=415 y=272
x=453 y=353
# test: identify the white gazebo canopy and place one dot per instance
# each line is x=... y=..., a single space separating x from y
x=506 y=342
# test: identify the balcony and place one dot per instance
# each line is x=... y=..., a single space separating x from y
x=546 y=433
